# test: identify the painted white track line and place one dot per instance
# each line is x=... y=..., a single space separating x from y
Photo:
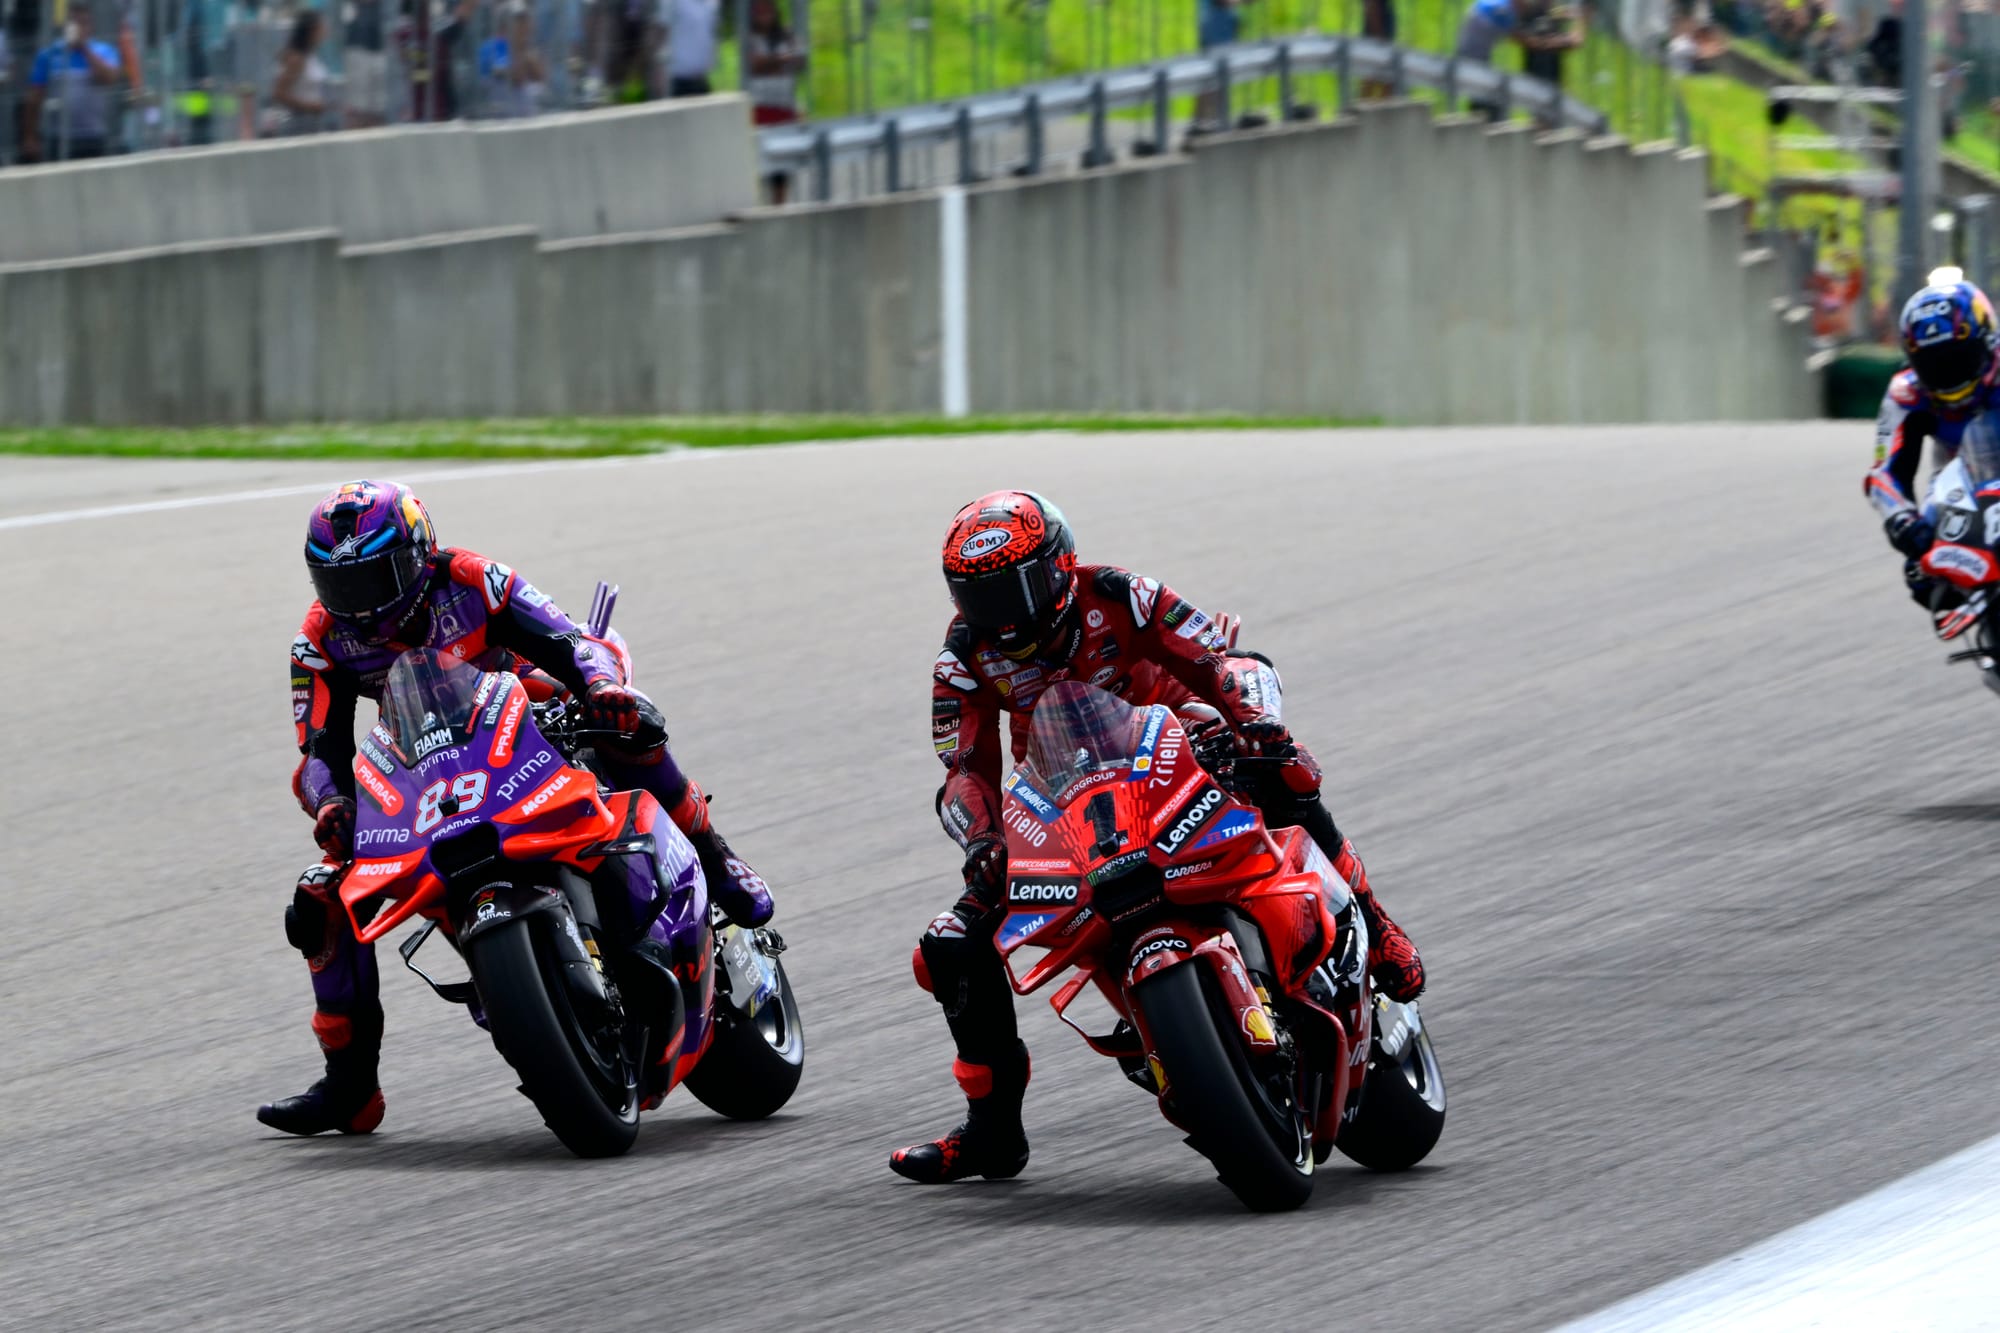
x=470 y=471
x=1922 y=1253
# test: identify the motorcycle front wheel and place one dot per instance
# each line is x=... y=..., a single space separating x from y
x=574 y=1071
x=1254 y=1135
x=1401 y=1114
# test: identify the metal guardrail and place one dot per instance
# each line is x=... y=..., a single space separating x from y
x=817 y=146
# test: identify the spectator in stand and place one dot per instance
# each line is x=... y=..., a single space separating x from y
x=1545 y=37
x=775 y=64
x=87 y=74
x=298 y=91
x=365 y=65
x=1885 y=48
x=512 y=66
x=1378 y=20
x=1487 y=22
x=1826 y=47
x=1695 y=46
x=1217 y=23
x=437 y=97
x=691 y=29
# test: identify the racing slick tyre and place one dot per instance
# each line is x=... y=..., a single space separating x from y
x=1402 y=1097
x=577 y=1077
x=1251 y=1132
x=756 y=1057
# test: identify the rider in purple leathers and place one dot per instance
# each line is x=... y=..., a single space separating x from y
x=1950 y=336
x=385 y=586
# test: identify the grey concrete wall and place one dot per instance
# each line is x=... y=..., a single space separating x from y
x=1383 y=267
x=1387 y=267
x=665 y=164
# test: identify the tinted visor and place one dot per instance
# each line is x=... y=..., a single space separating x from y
x=360 y=589
x=1020 y=596
x=1950 y=369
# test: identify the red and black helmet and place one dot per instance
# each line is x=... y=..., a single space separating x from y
x=1010 y=563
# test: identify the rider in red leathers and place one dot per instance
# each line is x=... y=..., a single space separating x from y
x=1029 y=615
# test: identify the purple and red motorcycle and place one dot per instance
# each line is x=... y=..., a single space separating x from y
x=595 y=959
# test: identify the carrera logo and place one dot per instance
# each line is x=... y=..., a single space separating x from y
x=541 y=798
x=509 y=729
x=983 y=543
x=1193 y=815
x=1042 y=892
x=1181 y=872
x=384 y=795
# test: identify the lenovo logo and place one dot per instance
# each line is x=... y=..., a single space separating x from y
x=1195 y=814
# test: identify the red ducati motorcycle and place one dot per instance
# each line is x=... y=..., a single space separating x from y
x=1232 y=954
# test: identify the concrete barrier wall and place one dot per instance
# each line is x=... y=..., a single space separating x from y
x=666 y=164
x=1383 y=267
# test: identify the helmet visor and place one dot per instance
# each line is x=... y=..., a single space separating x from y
x=1950 y=370
x=1019 y=596
x=360 y=589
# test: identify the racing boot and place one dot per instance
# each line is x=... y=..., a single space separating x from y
x=348 y=1099
x=1392 y=955
x=738 y=890
x=990 y=1142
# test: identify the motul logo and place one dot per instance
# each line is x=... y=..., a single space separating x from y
x=378 y=869
x=1192 y=818
x=545 y=795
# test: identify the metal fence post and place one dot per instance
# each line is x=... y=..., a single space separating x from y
x=1032 y=114
x=822 y=167
x=1506 y=95
x=1099 y=153
x=1163 y=107
x=1285 y=103
x=1976 y=224
x=967 y=171
x=1398 y=84
x=892 y=151
x=1343 y=64
x=1228 y=116
x=1451 y=84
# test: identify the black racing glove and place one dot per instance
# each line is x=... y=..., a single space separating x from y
x=333 y=828
x=1910 y=532
x=985 y=874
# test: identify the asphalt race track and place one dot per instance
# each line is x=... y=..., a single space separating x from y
x=1635 y=727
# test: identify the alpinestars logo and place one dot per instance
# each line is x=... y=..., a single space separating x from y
x=1193 y=815
x=498 y=576
x=952 y=672
x=308 y=655
x=1143 y=594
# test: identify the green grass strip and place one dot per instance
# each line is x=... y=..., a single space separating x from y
x=579 y=438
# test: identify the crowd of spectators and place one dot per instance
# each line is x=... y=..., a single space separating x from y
x=291 y=67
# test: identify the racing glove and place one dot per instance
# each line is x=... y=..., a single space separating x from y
x=1909 y=532
x=985 y=874
x=333 y=828
x=1268 y=738
x=609 y=706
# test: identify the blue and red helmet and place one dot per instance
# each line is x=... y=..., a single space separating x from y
x=368 y=549
x=1949 y=334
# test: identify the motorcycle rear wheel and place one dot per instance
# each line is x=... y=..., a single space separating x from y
x=541 y=1036
x=1265 y=1163
x=1402 y=1106
x=754 y=1062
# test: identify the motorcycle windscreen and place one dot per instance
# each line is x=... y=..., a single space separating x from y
x=1078 y=730
x=1979 y=450
x=428 y=702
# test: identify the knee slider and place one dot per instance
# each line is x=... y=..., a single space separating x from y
x=306 y=923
